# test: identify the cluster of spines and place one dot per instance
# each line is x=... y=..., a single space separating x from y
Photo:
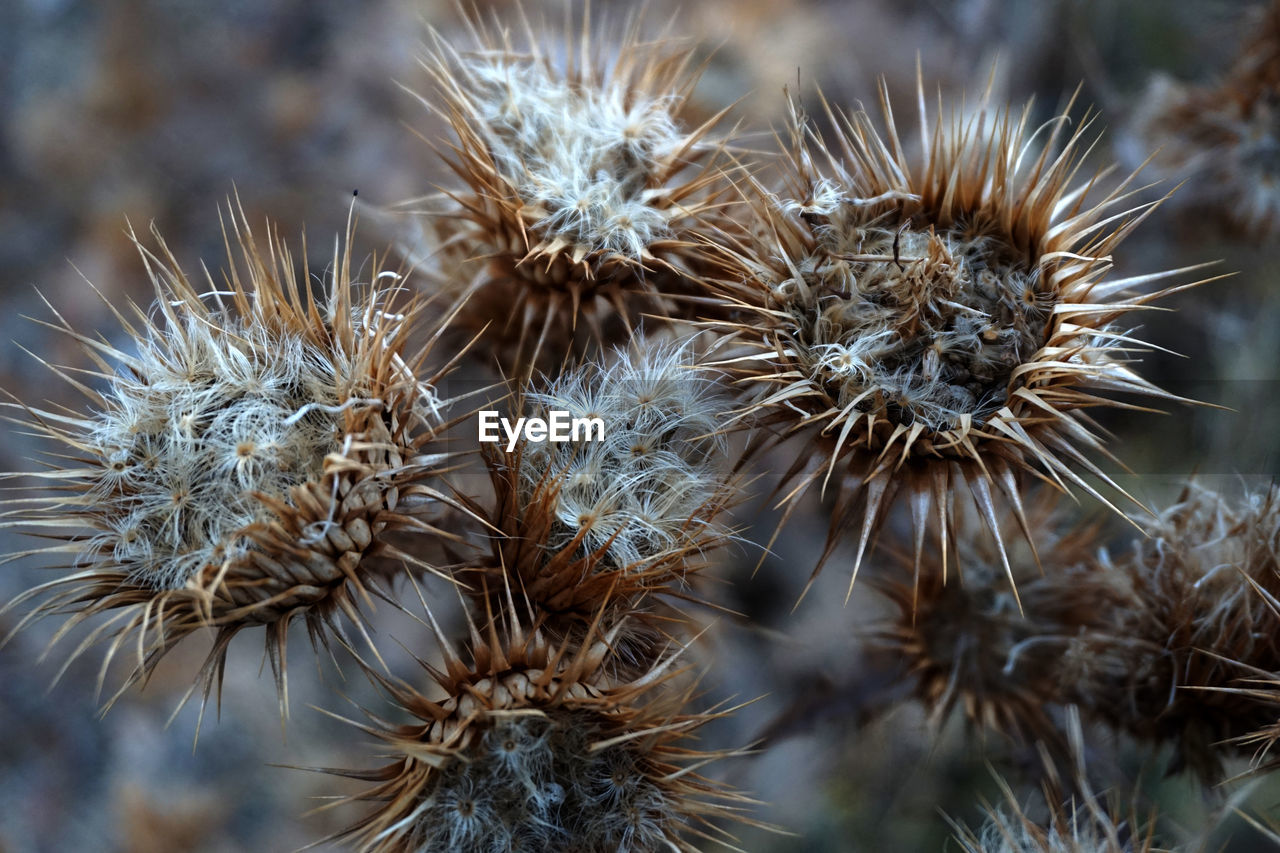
x=1075 y=818
x=538 y=745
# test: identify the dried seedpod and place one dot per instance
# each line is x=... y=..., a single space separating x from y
x=1070 y=827
x=968 y=642
x=628 y=513
x=1083 y=822
x=1223 y=137
x=532 y=746
x=242 y=461
x=1193 y=625
x=936 y=325
x=581 y=189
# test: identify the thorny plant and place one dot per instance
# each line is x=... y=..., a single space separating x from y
x=930 y=321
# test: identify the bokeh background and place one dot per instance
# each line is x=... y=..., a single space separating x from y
x=158 y=111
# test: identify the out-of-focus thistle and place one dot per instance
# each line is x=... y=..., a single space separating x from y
x=533 y=747
x=242 y=461
x=1069 y=828
x=581 y=523
x=1194 y=620
x=966 y=641
x=1223 y=137
x=1075 y=826
x=1083 y=822
x=1174 y=642
x=935 y=324
x=580 y=188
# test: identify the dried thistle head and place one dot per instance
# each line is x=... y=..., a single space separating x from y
x=1194 y=620
x=1079 y=822
x=532 y=746
x=241 y=460
x=968 y=642
x=1222 y=136
x=1070 y=827
x=647 y=484
x=631 y=513
x=580 y=186
x=934 y=325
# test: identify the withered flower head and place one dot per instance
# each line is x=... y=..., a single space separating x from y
x=1177 y=657
x=1070 y=828
x=1080 y=821
x=969 y=643
x=936 y=323
x=242 y=458
x=620 y=513
x=1223 y=137
x=533 y=747
x=580 y=185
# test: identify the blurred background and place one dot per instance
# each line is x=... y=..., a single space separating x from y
x=158 y=111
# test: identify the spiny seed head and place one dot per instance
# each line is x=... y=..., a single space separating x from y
x=969 y=642
x=1071 y=827
x=935 y=322
x=580 y=186
x=636 y=493
x=1081 y=822
x=1223 y=137
x=1193 y=623
x=587 y=521
x=243 y=458
x=533 y=747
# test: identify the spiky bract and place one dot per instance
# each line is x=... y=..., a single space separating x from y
x=616 y=518
x=934 y=324
x=580 y=187
x=242 y=459
x=533 y=747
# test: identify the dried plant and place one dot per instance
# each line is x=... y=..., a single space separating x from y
x=1221 y=136
x=929 y=328
x=534 y=747
x=1166 y=643
x=968 y=642
x=618 y=519
x=581 y=188
x=1193 y=619
x=938 y=324
x=241 y=461
x=1085 y=822
x=1072 y=827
